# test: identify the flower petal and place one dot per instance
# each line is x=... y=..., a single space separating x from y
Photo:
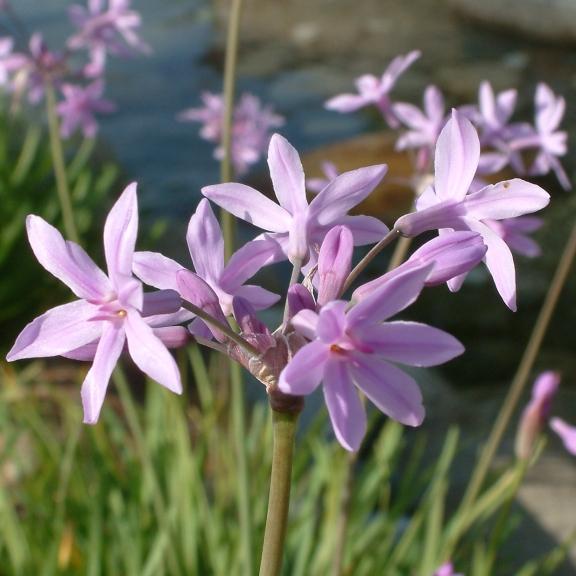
x=257 y=296
x=57 y=331
x=334 y=263
x=150 y=354
x=390 y=389
x=344 y=192
x=96 y=382
x=249 y=205
x=156 y=270
x=120 y=233
x=346 y=103
x=66 y=260
x=205 y=242
x=287 y=175
x=506 y=199
x=304 y=372
x=365 y=229
x=457 y=157
x=346 y=411
x=412 y=343
x=566 y=432
x=305 y=322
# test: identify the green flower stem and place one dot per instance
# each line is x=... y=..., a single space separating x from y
x=284 y=424
x=226 y=172
x=59 y=165
x=520 y=379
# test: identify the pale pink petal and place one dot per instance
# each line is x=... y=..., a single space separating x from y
x=346 y=103
x=249 y=205
x=205 y=242
x=156 y=270
x=304 y=372
x=287 y=174
x=506 y=199
x=412 y=343
x=566 y=432
x=150 y=354
x=457 y=157
x=332 y=321
x=365 y=229
x=258 y=297
x=67 y=261
x=120 y=233
x=392 y=297
x=334 y=263
x=346 y=411
x=305 y=322
x=390 y=389
x=96 y=382
x=344 y=192
x=57 y=331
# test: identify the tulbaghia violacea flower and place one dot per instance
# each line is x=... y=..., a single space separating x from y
x=514 y=231
x=448 y=205
x=375 y=91
x=357 y=347
x=493 y=114
x=105 y=29
x=295 y=225
x=109 y=311
x=79 y=107
x=316 y=185
x=251 y=128
x=206 y=246
x=566 y=432
x=536 y=413
x=423 y=126
x=447 y=569
x=451 y=254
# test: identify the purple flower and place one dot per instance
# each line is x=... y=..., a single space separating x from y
x=79 y=106
x=494 y=113
x=105 y=30
x=536 y=413
x=423 y=127
x=294 y=224
x=514 y=231
x=316 y=185
x=448 y=205
x=206 y=247
x=355 y=348
x=446 y=569
x=566 y=432
x=109 y=310
x=251 y=128
x=334 y=262
x=375 y=91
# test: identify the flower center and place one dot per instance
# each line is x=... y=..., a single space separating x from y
x=336 y=349
x=121 y=313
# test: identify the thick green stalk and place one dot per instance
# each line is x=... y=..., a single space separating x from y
x=284 y=424
x=520 y=378
x=226 y=172
x=59 y=165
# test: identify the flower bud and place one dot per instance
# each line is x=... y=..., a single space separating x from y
x=334 y=263
x=161 y=302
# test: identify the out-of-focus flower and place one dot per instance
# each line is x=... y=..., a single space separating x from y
x=9 y=62
x=566 y=432
x=316 y=185
x=424 y=127
x=206 y=247
x=294 y=225
x=514 y=231
x=356 y=347
x=109 y=312
x=536 y=413
x=79 y=107
x=105 y=29
x=375 y=91
x=251 y=128
x=447 y=569
x=447 y=204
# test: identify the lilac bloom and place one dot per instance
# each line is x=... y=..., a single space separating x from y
x=9 y=62
x=423 y=126
x=251 y=127
x=514 y=231
x=536 y=413
x=357 y=347
x=295 y=225
x=316 y=185
x=206 y=246
x=375 y=91
x=79 y=107
x=449 y=205
x=566 y=433
x=446 y=569
x=451 y=254
x=494 y=113
x=102 y=30
x=109 y=309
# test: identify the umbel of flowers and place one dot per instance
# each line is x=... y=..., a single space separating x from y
x=345 y=343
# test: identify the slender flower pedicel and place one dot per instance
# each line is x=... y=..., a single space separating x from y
x=109 y=311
